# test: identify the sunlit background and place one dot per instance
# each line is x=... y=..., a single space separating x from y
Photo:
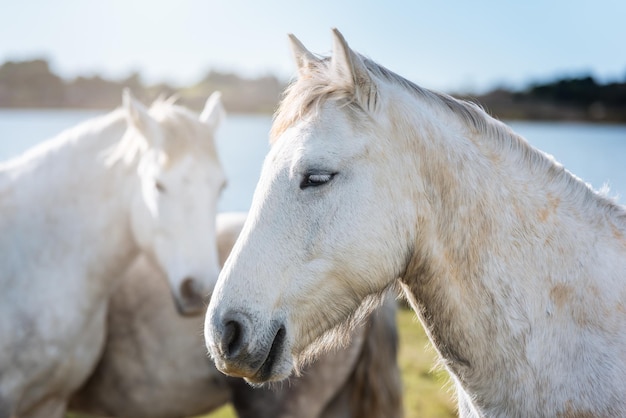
x=455 y=46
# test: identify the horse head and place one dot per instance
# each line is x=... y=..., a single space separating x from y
x=180 y=176
x=322 y=241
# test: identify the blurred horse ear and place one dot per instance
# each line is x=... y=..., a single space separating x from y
x=213 y=113
x=305 y=60
x=349 y=70
x=138 y=117
x=170 y=101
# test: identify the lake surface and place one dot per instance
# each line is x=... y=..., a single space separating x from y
x=595 y=153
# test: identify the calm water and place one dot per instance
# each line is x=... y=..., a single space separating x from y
x=594 y=153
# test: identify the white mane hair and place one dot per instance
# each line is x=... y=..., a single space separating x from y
x=180 y=128
x=306 y=95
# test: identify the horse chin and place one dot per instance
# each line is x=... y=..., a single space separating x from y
x=278 y=370
x=278 y=365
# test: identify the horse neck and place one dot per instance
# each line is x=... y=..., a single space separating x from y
x=66 y=202
x=499 y=228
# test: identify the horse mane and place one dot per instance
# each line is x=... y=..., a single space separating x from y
x=182 y=130
x=306 y=94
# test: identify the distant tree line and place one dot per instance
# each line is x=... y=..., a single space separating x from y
x=30 y=84
x=578 y=98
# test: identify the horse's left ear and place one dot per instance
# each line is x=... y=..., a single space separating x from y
x=139 y=118
x=349 y=69
x=213 y=113
x=305 y=60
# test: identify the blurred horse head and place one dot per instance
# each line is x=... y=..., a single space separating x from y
x=180 y=177
x=76 y=211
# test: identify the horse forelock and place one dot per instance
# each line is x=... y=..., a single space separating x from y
x=308 y=92
x=184 y=134
x=127 y=149
x=306 y=95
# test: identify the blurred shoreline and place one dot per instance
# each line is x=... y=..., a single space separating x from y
x=33 y=85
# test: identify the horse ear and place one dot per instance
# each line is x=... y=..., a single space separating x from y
x=350 y=70
x=305 y=60
x=139 y=118
x=213 y=113
x=171 y=100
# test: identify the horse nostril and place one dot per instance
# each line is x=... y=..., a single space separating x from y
x=190 y=289
x=232 y=338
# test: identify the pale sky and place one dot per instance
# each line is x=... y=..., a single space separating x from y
x=443 y=45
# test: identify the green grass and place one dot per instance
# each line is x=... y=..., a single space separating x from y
x=427 y=391
x=226 y=411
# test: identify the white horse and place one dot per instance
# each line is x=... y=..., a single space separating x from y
x=75 y=212
x=516 y=268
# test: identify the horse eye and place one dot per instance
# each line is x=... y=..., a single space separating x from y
x=159 y=186
x=316 y=179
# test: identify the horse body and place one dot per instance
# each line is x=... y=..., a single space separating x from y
x=58 y=201
x=153 y=362
x=516 y=268
x=48 y=275
x=155 y=365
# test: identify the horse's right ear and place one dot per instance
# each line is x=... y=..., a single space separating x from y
x=139 y=118
x=305 y=60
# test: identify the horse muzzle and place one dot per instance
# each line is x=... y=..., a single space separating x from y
x=241 y=348
x=191 y=299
